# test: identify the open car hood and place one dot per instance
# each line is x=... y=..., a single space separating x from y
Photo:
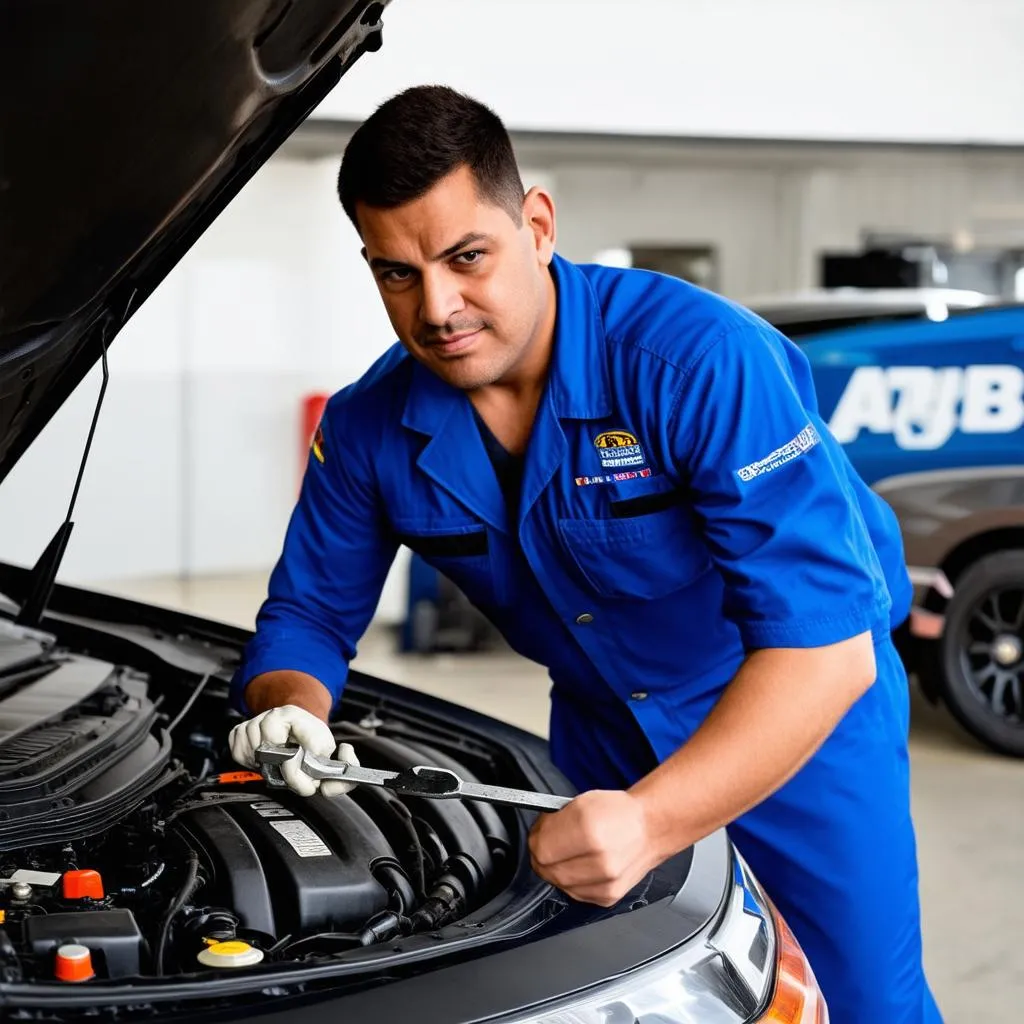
x=126 y=128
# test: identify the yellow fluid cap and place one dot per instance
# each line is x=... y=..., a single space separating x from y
x=230 y=954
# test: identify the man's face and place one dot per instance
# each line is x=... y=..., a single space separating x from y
x=465 y=286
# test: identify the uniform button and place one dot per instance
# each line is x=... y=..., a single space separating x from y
x=639 y=695
x=582 y=620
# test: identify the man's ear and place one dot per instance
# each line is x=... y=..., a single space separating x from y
x=539 y=217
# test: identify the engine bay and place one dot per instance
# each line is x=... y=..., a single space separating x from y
x=131 y=846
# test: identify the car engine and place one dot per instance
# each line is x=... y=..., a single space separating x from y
x=130 y=835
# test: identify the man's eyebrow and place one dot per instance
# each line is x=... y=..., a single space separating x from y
x=461 y=244
x=380 y=263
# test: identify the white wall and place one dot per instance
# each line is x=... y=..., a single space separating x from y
x=898 y=70
x=976 y=198
x=198 y=455
x=735 y=211
x=769 y=219
x=129 y=515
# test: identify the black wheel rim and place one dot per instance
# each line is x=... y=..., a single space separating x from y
x=992 y=653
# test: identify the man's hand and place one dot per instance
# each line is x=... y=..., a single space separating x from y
x=778 y=710
x=287 y=725
x=595 y=849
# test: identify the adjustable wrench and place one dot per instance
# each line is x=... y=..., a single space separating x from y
x=424 y=781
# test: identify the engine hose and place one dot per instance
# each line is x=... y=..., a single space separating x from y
x=215 y=801
x=415 y=845
x=401 y=895
x=466 y=875
x=445 y=902
x=278 y=946
x=383 y=927
x=191 y=880
x=346 y=940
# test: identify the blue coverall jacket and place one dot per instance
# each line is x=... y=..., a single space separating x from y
x=682 y=504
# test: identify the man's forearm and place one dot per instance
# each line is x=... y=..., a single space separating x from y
x=275 y=689
x=781 y=706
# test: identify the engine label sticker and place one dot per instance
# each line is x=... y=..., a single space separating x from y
x=271 y=809
x=301 y=838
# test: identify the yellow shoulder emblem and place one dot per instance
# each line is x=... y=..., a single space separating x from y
x=318 y=445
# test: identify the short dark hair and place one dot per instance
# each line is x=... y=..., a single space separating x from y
x=413 y=140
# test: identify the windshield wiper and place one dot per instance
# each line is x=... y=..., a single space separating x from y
x=43 y=576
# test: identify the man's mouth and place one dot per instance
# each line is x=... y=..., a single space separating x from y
x=453 y=344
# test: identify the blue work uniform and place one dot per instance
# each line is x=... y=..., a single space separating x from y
x=681 y=503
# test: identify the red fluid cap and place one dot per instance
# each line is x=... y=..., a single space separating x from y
x=74 y=963
x=229 y=778
x=83 y=883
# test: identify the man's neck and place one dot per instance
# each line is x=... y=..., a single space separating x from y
x=509 y=406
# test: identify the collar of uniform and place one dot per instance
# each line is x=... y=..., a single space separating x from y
x=455 y=456
x=430 y=400
x=579 y=371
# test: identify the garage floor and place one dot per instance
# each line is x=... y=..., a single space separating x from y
x=969 y=804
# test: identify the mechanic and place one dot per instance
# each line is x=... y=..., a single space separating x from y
x=629 y=476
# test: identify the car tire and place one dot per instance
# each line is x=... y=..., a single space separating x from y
x=981 y=652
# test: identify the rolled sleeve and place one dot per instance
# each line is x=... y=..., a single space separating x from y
x=327 y=582
x=771 y=487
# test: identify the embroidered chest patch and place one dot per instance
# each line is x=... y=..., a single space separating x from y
x=619 y=450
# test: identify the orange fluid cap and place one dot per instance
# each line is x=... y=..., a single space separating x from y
x=83 y=883
x=74 y=963
x=227 y=778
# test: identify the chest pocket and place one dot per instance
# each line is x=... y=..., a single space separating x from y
x=650 y=547
x=460 y=549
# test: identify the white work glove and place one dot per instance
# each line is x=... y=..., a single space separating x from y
x=284 y=726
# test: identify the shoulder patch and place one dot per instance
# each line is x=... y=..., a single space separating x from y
x=318 y=447
x=803 y=442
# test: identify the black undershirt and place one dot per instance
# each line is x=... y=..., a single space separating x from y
x=508 y=468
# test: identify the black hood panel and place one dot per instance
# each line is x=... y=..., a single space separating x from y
x=126 y=127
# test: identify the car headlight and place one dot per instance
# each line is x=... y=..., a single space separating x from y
x=797 y=998
x=746 y=966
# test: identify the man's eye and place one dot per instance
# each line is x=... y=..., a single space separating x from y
x=396 y=276
x=467 y=259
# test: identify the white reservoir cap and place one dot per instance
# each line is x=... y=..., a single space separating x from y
x=230 y=954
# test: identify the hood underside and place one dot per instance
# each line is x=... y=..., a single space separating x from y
x=127 y=127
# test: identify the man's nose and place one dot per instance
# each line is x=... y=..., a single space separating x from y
x=440 y=299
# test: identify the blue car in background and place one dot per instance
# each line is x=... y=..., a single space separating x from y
x=925 y=390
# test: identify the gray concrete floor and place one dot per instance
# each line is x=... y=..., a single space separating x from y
x=968 y=803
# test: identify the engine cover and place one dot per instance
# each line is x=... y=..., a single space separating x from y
x=291 y=865
x=78 y=747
